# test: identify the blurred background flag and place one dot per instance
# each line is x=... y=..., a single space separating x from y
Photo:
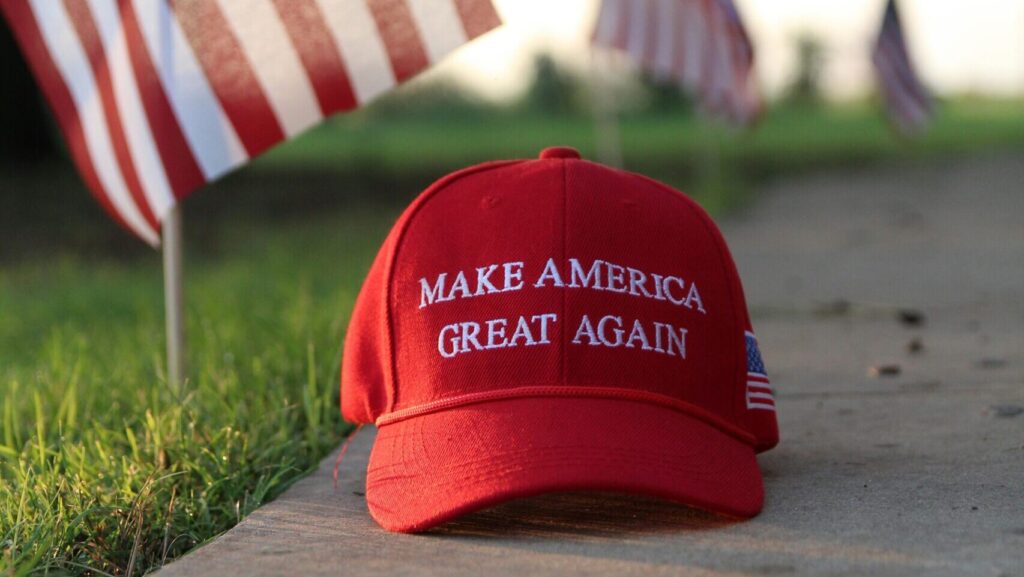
x=156 y=98
x=700 y=44
x=908 y=103
x=733 y=87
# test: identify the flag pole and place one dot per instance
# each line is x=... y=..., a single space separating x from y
x=609 y=140
x=173 y=289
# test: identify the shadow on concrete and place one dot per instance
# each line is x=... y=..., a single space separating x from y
x=582 y=515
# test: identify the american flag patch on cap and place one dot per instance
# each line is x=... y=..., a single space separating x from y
x=759 y=389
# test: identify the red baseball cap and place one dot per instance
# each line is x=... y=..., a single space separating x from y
x=549 y=325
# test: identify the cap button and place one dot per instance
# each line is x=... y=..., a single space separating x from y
x=559 y=152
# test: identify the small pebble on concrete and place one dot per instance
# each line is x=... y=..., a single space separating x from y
x=884 y=371
x=1007 y=411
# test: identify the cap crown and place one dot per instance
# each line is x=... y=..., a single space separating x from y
x=555 y=277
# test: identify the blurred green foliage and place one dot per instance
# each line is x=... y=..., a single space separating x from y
x=805 y=87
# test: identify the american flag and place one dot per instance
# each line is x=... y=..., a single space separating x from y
x=700 y=44
x=158 y=97
x=908 y=102
x=759 y=390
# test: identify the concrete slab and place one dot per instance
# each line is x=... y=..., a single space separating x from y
x=916 y=473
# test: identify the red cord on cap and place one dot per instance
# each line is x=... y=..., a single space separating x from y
x=341 y=453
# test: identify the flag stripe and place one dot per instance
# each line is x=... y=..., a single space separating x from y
x=709 y=65
x=230 y=74
x=209 y=133
x=274 y=63
x=180 y=168
x=899 y=97
x=651 y=10
x=440 y=26
x=694 y=33
x=679 y=41
x=477 y=17
x=731 y=71
x=625 y=12
x=81 y=20
x=362 y=50
x=401 y=38
x=637 y=39
x=759 y=393
x=908 y=110
x=71 y=61
x=906 y=113
x=724 y=75
x=141 y=145
x=666 y=40
x=701 y=44
x=739 y=78
x=607 y=23
x=908 y=102
x=158 y=97
x=307 y=29
x=898 y=59
x=889 y=50
x=30 y=38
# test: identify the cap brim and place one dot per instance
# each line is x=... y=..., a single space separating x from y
x=429 y=469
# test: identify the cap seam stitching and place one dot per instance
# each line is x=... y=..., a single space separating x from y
x=572 y=391
x=565 y=255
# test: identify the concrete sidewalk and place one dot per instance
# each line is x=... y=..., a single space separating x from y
x=920 y=472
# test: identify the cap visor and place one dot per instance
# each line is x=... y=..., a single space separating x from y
x=429 y=469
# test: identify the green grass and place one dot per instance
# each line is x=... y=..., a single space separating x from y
x=105 y=469
x=102 y=464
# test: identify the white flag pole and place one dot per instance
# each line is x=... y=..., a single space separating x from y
x=606 y=122
x=173 y=297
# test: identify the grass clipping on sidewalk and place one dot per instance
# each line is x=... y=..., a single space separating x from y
x=104 y=468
